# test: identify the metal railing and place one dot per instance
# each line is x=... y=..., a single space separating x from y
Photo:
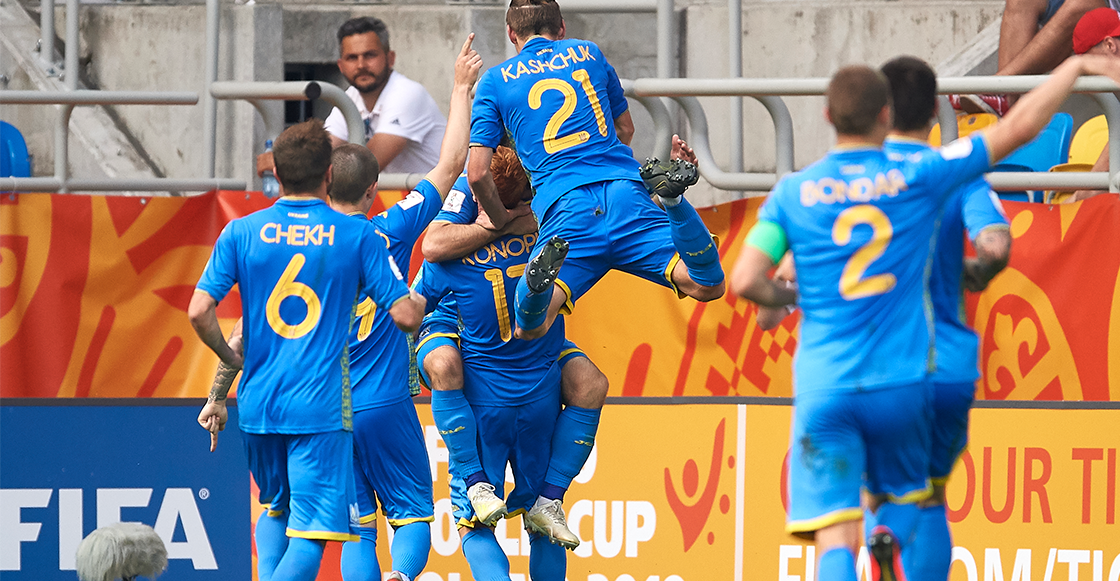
x=685 y=91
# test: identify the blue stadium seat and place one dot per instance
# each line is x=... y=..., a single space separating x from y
x=14 y=161
x=1050 y=148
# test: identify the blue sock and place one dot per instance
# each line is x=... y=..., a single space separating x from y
x=572 y=440
x=272 y=540
x=901 y=519
x=694 y=243
x=301 y=560
x=930 y=557
x=359 y=560
x=838 y=564
x=458 y=428
x=485 y=556
x=547 y=562
x=532 y=308
x=411 y=545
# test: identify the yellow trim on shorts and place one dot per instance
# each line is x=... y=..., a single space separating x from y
x=669 y=275
x=517 y=512
x=913 y=497
x=939 y=481
x=568 y=306
x=568 y=352
x=400 y=522
x=368 y=518
x=816 y=524
x=431 y=336
x=467 y=523
x=322 y=535
x=274 y=513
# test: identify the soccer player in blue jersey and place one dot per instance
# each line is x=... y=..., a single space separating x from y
x=299 y=266
x=458 y=232
x=974 y=207
x=390 y=454
x=512 y=388
x=561 y=103
x=860 y=227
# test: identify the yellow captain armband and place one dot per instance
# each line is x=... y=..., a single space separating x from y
x=769 y=238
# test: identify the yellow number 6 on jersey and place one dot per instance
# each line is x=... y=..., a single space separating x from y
x=288 y=287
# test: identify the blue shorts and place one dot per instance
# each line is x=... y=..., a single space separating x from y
x=1052 y=7
x=434 y=333
x=951 y=404
x=520 y=435
x=391 y=465
x=312 y=477
x=609 y=225
x=842 y=441
x=568 y=352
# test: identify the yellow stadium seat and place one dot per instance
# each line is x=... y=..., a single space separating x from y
x=966 y=125
x=1058 y=196
x=1089 y=141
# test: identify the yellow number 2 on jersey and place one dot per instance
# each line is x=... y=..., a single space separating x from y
x=288 y=287
x=552 y=143
x=852 y=283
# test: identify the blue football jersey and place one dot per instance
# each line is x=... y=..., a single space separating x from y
x=861 y=230
x=300 y=267
x=497 y=369
x=557 y=100
x=379 y=356
x=973 y=206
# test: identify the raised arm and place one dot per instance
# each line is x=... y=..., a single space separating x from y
x=483 y=187
x=1031 y=113
x=453 y=151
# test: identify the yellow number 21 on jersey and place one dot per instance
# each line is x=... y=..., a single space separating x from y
x=288 y=287
x=553 y=143
x=852 y=283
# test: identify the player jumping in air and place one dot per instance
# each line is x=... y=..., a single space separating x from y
x=561 y=103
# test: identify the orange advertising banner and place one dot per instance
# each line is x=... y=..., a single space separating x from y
x=94 y=289
x=1025 y=503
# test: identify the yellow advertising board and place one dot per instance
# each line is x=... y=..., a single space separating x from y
x=691 y=492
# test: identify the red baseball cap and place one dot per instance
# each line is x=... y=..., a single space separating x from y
x=1095 y=26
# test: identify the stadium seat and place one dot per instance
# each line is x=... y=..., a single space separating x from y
x=14 y=161
x=966 y=125
x=1048 y=149
x=1089 y=141
x=1058 y=196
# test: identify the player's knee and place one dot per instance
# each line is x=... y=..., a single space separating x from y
x=444 y=367
x=583 y=384
x=936 y=498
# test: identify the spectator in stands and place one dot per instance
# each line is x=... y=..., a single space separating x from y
x=404 y=126
x=1097 y=33
x=1033 y=39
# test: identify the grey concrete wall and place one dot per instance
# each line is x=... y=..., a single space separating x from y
x=814 y=39
x=163 y=48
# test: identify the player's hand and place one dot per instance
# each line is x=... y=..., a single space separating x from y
x=467 y=64
x=681 y=150
x=265 y=163
x=973 y=275
x=213 y=418
x=522 y=221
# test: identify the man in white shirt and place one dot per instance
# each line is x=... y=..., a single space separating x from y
x=404 y=126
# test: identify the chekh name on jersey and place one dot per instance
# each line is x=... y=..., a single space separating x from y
x=504 y=248
x=861 y=189
x=297 y=234
x=558 y=61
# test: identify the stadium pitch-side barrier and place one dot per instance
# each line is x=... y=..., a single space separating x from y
x=648 y=92
x=675 y=490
